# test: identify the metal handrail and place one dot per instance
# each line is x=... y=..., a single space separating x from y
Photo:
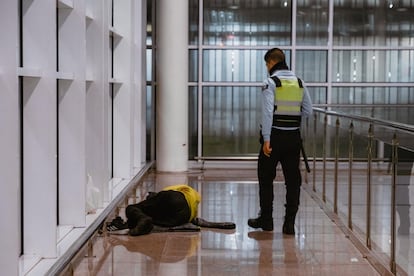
x=385 y=123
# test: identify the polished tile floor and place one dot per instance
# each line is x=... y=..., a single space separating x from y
x=318 y=248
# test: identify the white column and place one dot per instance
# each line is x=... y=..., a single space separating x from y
x=97 y=98
x=140 y=27
x=123 y=53
x=10 y=141
x=166 y=179
x=172 y=85
x=39 y=128
x=72 y=110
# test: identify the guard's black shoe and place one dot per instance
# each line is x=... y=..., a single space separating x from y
x=289 y=227
x=260 y=222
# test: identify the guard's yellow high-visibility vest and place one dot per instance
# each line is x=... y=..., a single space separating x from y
x=288 y=102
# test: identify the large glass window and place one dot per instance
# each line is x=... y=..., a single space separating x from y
x=373 y=95
x=248 y=22
x=193 y=23
x=235 y=65
x=318 y=95
x=193 y=66
x=369 y=44
x=312 y=22
x=231 y=119
x=149 y=65
x=311 y=65
x=193 y=122
x=373 y=66
x=373 y=22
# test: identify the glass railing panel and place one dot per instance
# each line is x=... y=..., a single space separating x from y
x=363 y=170
x=381 y=190
x=343 y=166
x=359 y=182
x=404 y=211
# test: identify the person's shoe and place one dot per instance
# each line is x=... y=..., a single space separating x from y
x=143 y=227
x=289 y=227
x=117 y=226
x=260 y=222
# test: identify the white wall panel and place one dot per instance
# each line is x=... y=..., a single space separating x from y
x=97 y=98
x=123 y=54
x=71 y=114
x=39 y=124
x=9 y=140
x=61 y=131
x=140 y=23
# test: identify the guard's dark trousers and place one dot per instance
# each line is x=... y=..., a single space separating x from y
x=286 y=145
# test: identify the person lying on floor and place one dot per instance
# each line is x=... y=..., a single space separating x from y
x=174 y=206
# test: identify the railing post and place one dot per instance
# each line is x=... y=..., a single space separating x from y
x=90 y=249
x=325 y=127
x=394 y=161
x=336 y=166
x=314 y=152
x=369 y=173
x=351 y=159
x=134 y=197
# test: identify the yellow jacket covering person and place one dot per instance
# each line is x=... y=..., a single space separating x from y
x=192 y=196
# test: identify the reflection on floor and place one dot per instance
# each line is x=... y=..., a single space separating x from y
x=318 y=248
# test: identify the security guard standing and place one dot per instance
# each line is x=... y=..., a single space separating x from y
x=285 y=100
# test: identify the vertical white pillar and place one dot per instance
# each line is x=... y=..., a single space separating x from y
x=39 y=129
x=72 y=114
x=123 y=54
x=166 y=179
x=97 y=97
x=10 y=141
x=172 y=85
x=140 y=27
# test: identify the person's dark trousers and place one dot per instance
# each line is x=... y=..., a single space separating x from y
x=166 y=208
x=286 y=147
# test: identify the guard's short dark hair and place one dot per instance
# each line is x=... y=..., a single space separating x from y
x=274 y=54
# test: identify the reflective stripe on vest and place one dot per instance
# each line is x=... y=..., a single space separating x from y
x=288 y=102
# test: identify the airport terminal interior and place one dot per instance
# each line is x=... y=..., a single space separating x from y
x=105 y=101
